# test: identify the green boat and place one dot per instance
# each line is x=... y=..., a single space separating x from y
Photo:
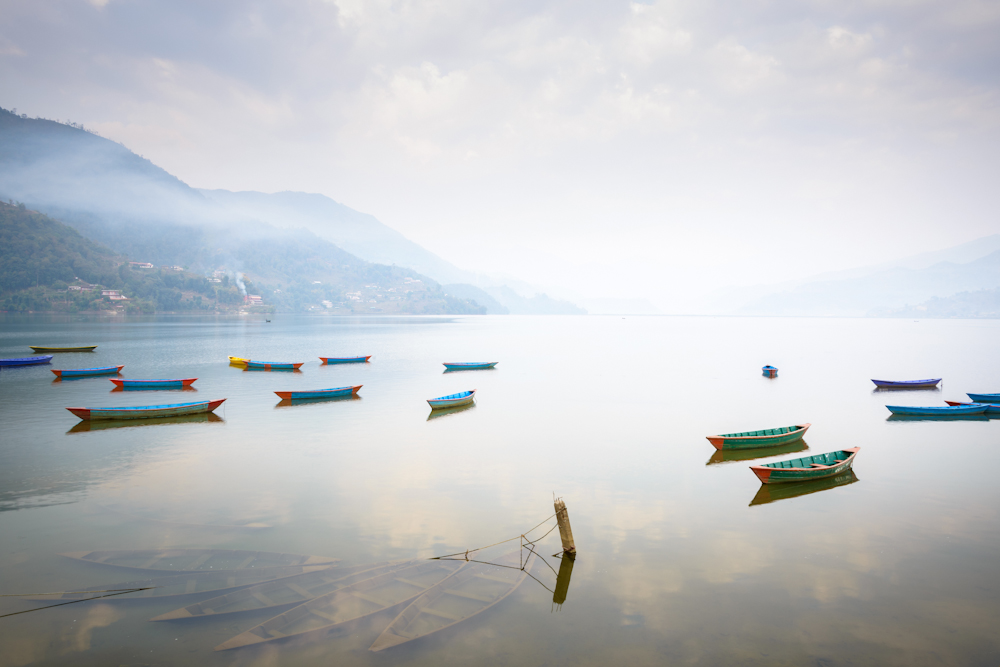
x=807 y=468
x=769 y=437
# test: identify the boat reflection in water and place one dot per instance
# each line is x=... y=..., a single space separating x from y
x=204 y=417
x=290 y=402
x=444 y=412
x=121 y=389
x=728 y=455
x=769 y=493
x=938 y=418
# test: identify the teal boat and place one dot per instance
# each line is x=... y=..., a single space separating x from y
x=769 y=437
x=807 y=468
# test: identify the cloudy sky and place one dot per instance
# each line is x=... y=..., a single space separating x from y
x=599 y=148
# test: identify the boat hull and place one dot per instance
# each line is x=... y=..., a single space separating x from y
x=470 y=366
x=968 y=409
x=154 y=384
x=318 y=393
x=770 y=371
x=772 y=437
x=830 y=464
x=453 y=401
x=984 y=398
x=87 y=372
x=85 y=348
x=238 y=361
x=344 y=360
x=26 y=361
x=272 y=366
x=907 y=384
x=147 y=411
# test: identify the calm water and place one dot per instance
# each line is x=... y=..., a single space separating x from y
x=681 y=560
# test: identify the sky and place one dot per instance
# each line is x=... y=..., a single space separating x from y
x=657 y=150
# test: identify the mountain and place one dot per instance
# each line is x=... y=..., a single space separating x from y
x=887 y=289
x=981 y=304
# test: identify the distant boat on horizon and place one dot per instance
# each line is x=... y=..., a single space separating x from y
x=469 y=365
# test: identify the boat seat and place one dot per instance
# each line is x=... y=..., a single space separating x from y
x=818 y=465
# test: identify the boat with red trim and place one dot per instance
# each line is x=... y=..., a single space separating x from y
x=87 y=372
x=806 y=468
x=344 y=360
x=155 y=384
x=318 y=393
x=272 y=365
x=769 y=437
x=147 y=411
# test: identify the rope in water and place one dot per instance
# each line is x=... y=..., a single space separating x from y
x=98 y=597
x=517 y=537
x=106 y=590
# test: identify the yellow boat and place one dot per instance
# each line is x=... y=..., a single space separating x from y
x=238 y=361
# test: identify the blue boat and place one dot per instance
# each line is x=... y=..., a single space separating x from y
x=272 y=365
x=452 y=400
x=469 y=365
x=155 y=384
x=770 y=371
x=318 y=393
x=907 y=384
x=984 y=398
x=87 y=372
x=26 y=361
x=344 y=360
x=991 y=408
x=970 y=409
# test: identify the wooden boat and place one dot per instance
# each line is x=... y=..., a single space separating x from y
x=238 y=361
x=770 y=371
x=178 y=585
x=807 y=468
x=318 y=393
x=253 y=365
x=907 y=384
x=85 y=348
x=984 y=398
x=769 y=493
x=177 y=561
x=26 y=361
x=87 y=372
x=729 y=455
x=147 y=411
x=102 y=425
x=452 y=400
x=154 y=384
x=348 y=604
x=280 y=592
x=770 y=437
x=969 y=409
x=991 y=408
x=469 y=365
x=473 y=589
x=345 y=360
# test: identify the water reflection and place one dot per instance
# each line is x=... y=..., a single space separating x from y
x=906 y=390
x=444 y=412
x=187 y=388
x=102 y=424
x=769 y=493
x=74 y=378
x=938 y=418
x=290 y=402
x=727 y=455
x=562 y=580
x=466 y=370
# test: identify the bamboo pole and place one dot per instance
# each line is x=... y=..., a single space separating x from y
x=565 y=531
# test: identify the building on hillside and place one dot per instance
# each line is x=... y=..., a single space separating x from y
x=141 y=265
x=254 y=300
x=327 y=304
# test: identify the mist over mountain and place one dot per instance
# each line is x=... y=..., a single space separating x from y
x=287 y=239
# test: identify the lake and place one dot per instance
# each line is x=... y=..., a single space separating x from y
x=683 y=557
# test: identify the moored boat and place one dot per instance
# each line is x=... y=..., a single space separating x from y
x=178 y=585
x=318 y=393
x=991 y=408
x=968 y=409
x=806 y=468
x=84 y=348
x=452 y=400
x=345 y=360
x=984 y=398
x=26 y=361
x=253 y=365
x=238 y=361
x=770 y=371
x=87 y=372
x=177 y=561
x=473 y=589
x=154 y=384
x=769 y=437
x=907 y=384
x=280 y=593
x=147 y=411
x=469 y=365
x=362 y=599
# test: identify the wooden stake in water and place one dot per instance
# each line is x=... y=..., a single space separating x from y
x=565 y=531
